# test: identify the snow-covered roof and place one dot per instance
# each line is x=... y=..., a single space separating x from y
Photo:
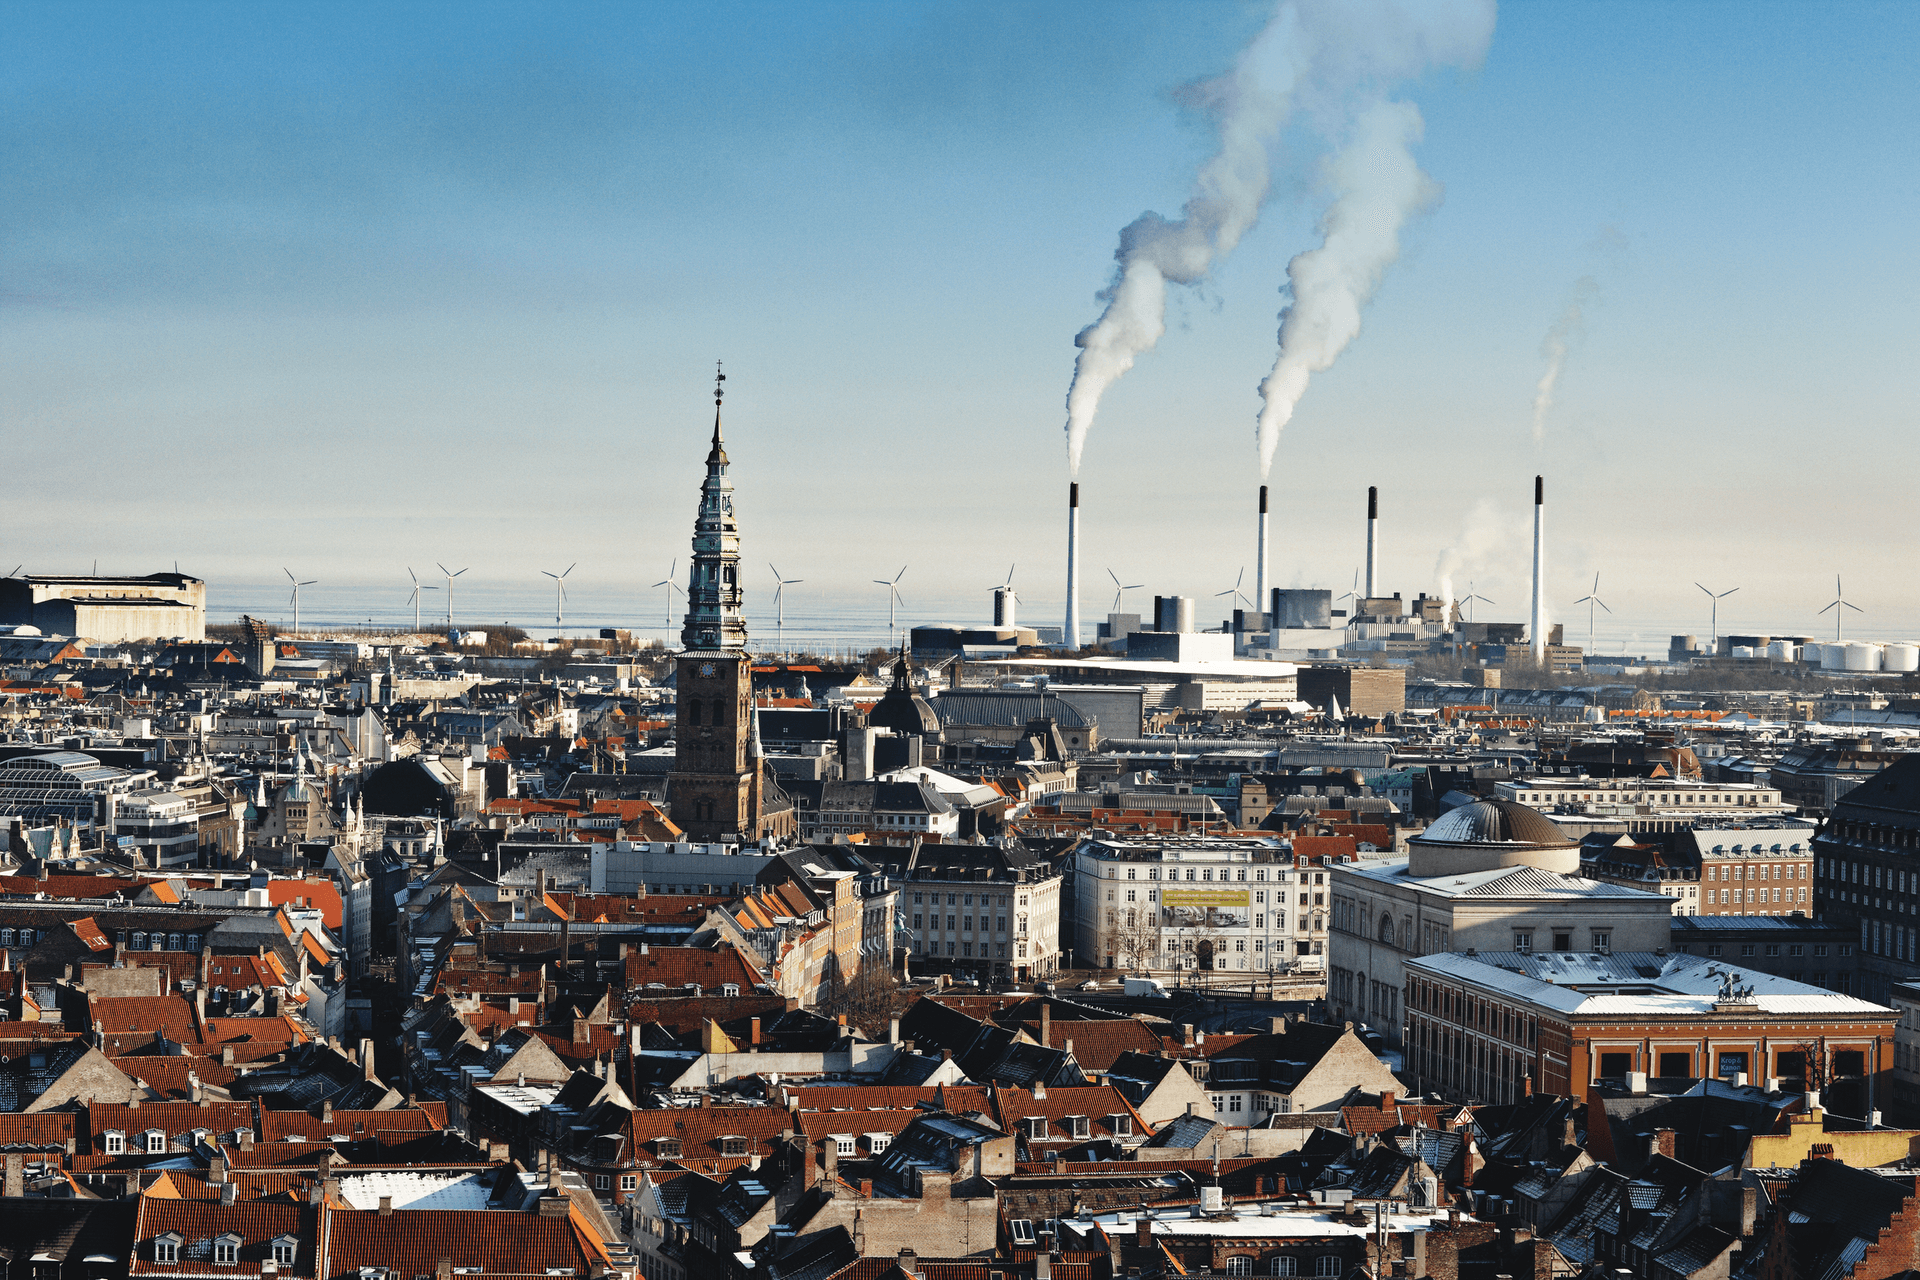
x=1594 y=984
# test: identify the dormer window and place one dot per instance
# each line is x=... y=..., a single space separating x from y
x=116 y=1142
x=1077 y=1126
x=732 y=1146
x=843 y=1144
x=878 y=1142
x=667 y=1148
x=1121 y=1125
x=226 y=1249
x=155 y=1142
x=730 y=989
x=6 y=937
x=1036 y=1126
x=284 y=1249
x=166 y=1248
x=139 y=942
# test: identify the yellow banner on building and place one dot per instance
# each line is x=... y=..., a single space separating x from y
x=1205 y=898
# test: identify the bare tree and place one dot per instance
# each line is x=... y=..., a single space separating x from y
x=1133 y=936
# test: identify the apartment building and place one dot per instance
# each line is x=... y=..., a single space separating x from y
x=1227 y=903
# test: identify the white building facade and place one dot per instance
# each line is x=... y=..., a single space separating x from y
x=1223 y=904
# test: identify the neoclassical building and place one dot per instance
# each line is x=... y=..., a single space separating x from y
x=1489 y=876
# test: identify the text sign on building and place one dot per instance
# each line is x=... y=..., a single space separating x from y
x=1191 y=908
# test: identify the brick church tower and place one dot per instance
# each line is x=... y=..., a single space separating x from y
x=714 y=792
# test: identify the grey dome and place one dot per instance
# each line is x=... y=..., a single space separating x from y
x=1494 y=822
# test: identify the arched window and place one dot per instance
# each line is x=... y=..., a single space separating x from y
x=1239 y=1265
x=1386 y=928
x=693 y=711
x=1327 y=1264
x=719 y=711
x=1284 y=1267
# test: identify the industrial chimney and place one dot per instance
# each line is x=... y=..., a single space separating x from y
x=1072 y=636
x=1260 y=560
x=1538 y=622
x=1373 y=542
x=1003 y=605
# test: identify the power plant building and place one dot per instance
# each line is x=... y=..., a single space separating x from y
x=170 y=606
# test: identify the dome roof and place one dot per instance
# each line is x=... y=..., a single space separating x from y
x=902 y=709
x=1494 y=822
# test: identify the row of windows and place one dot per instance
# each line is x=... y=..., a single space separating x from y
x=1326 y=1264
x=925 y=948
x=1206 y=873
x=1793 y=895
x=1767 y=872
x=225 y=1249
x=986 y=899
x=628 y=1182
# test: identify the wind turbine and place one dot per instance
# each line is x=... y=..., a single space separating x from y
x=1482 y=599
x=1007 y=586
x=1353 y=595
x=1234 y=590
x=1714 y=639
x=451 y=575
x=1120 y=589
x=1840 y=606
x=893 y=597
x=560 y=594
x=414 y=599
x=780 y=586
x=671 y=587
x=297 y=584
x=1591 y=599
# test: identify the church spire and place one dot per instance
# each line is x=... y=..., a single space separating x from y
x=715 y=618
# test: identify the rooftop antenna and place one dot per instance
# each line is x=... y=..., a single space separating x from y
x=414 y=599
x=1591 y=599
x=780 y=586
x=297 y=584
x=451 y=575
x=1120 y=589
x=560 y=595
x=1472 y=597
x=671 y=587
x=893 y=597
x=1840 y=606
x=1714 y=639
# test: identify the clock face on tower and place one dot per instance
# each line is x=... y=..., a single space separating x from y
x=706 y=671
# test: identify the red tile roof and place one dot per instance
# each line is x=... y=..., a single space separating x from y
x=136 y=1016
x=1097 y=1102
x=700 y=1131
x=412 y=1243
x=198 y=1223
x=678 y=966
x=401 y=1122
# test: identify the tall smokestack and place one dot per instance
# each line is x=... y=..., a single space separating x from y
x=1539 y=619
x=1072 y=636
x=1373 y=541
x=1260 y=560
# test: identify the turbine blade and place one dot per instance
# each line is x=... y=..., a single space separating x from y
x=1603 y=605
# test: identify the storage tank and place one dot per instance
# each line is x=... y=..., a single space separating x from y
x=1833 y=657
x=1900 y=657
x=1781 y=651
x=1743 y=651
x=1861 y=657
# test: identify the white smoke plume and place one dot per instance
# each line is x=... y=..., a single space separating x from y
x=1486 y=544
x=1376 y=187
x=1560 y=339
x=1249 y=104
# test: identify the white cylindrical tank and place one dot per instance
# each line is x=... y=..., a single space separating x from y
x=1743 y=651
x=1833 y=657
x=1861 y=657
x=1781 y=651
x=1900 y=657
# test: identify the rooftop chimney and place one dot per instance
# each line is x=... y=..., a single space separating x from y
x=1072 y=634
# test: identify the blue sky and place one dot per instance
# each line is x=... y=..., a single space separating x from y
x=352 y=288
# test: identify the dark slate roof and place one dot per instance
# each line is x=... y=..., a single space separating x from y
x=1006 y=709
